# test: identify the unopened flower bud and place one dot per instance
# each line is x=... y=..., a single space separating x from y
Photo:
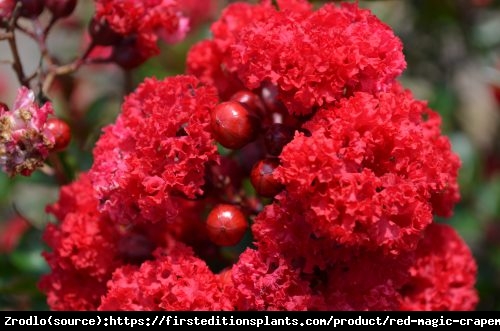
x=60 y=8
x=6 y=9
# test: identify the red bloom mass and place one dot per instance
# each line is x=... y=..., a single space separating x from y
x=443 y=275
x=175 y=280
x=374 y=170
x=89 y=250
x=315 y=57
x=342 y=219
x=156 y=151
x=85 y=250
x=136 y=27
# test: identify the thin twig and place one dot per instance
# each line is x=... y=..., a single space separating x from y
x=65 y=69
x=47 y=170
x=58 y=167
x=27 y=32
x=53 y=20
x=16 y=64
x=41 y=39
x=6 y=35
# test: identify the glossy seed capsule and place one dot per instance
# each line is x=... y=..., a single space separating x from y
x=61 y=132
x=31 y=8
x=269 y=95
x=262 y=178
x=233 y=126
x=102 y=33
x=276 y=137
x=226 y=225
x=60 y=8
x=251 y=101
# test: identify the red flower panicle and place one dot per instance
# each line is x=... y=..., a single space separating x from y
x=88 y=248
x=315 y=57
x=156 y=151
x=363 y=280
x=204 y=61
x=84 y=252
x=263 y=283
x=174 y=280
x=140 y=24
x=360 y=168
x=374 y=171
x=292 y=237
x=444 y=273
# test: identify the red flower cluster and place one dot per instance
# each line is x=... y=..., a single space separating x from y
x=97 y=263
x=85 y=250
x=374 y=170
x=199 y=12
x=348 y=172
x=134 y=27
x=174 y=280
x=441 y=274
x=314 y=57
x=156 y=151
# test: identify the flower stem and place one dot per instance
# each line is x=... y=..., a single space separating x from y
x=58 y=169
x=11 y=38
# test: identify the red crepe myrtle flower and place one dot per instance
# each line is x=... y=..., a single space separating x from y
x=204 y=61
x=199 y=12
x=263 y=283
x=25 y=141
x=314 y=57
x=83 y=252
x=174 y=280
x=346 y=285
x=156 y=151
x=362 y=172
x=293 y=238
x=374 y=171
x=444 y=273
x=87 y=247
x=141 y=24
